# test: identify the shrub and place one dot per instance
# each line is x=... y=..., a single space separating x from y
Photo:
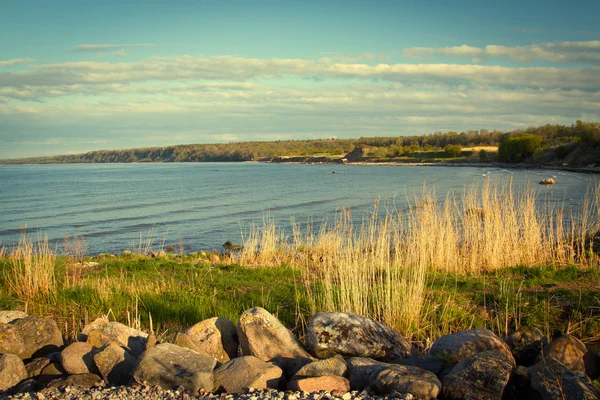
x=516 y=148
x=452 y=150
x=482 y=155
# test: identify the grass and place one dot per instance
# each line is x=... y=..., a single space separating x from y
x=430 y=269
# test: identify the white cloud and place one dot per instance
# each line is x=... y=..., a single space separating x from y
x=16 y=61
x=106 y=47
x=561 y=52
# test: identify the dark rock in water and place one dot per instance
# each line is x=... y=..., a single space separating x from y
x=402 y=379
x=115 y=364
x=457 y=346
x=573 y=354
x=331 y=366
x=331 y=333
x=482 y=376
x=231 y=247
x=12 y=371
x=551 y=380
x=526 y=345
x=264 y=337
x=170 y=366
x=216 y=337
x=248 y=372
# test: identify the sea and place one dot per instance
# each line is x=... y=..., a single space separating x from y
x=200 y=206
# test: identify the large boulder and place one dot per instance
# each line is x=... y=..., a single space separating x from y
x=573 y=354
x=30 y=337
x=12 y=371
x=115 y=364
x=9 y=316
x=35 y=366
x=216 y=337
x=328 y=383
x=102 y=332
x=248 y=372
x=78 y=358
x=170 y=366
x=482 y=376
x=331 y=366
x=362 y=373
x=75 y=382
x=404 y=379
x=264 y=337
x=428 y=363
x=551 y=380
x=331 y=333
x=51 y=372
x=526 y=345
x=457 y=346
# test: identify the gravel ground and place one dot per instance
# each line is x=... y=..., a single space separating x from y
x=142 y=392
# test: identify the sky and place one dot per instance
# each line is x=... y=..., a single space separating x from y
x=77 y=76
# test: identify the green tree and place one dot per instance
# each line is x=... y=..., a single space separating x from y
x=482 y=155
x=452 y=150
x=516 y=148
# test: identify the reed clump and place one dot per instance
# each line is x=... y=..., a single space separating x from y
x=379 y=266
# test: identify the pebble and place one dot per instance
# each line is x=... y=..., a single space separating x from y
x=102 y=391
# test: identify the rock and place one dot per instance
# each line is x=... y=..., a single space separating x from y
x=30 y=337
x=264 y=337
x=403 y=379
x=170 y=366
x=548 y=181
x=50 y=372
x=427 y=363
x=34 y=367
x=114 y=332
x=361 y=370
x=329 y=383
x=184 y=340
x=331 y=366
x=9 y=316
x=79 y=380
x=115 y=364
x=551 y=380
x=26 y=386
x=151 y=341
x=126 y=253
x=216 y=337
x=518 y=386
x=331 y=333
x=12 y=371
x=457 y=346
x=526 y=345
x=248 y=372
x=78 y=358
x=572 y=353
x=481 y=376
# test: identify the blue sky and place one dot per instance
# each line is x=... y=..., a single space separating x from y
x=76 y=77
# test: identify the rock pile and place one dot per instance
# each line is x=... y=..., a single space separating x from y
x=346 y=356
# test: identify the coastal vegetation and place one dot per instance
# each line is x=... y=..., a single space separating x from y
x=489 y=258
x=553 y=145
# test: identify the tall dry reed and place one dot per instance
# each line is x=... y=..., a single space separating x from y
x=31 y=269
x=378 y=267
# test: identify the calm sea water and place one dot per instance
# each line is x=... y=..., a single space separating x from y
x=205 y=204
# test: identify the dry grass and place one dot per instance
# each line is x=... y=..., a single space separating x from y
x=379 y=268
x=31 y=269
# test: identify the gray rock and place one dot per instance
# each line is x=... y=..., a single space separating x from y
x=10 y=340
x=551 y=380
x=248 y=372
x=9 y=316
x=28 y=385
x=427 y=363
x=78 y=358
x=481 y=376
x=30 y=337
x=216 y=337
x=331 y=333
x=361 y=369
x=170 y=366
x=50 y=372
x=12 y=371
x=526 y=345
x=457 y=346
x=80 y=381
x=404 y=379
x=264 y=337
x=329 y=383
x=184 y=340
x=35 y=366
x=115 y=364
x=573 y=354
x=331 y=366
x=518 y=386
x=101 y=332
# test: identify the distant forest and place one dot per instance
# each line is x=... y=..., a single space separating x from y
x=578 y=144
